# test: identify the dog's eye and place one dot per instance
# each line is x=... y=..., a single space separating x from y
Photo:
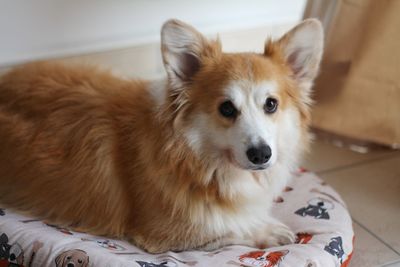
x=80 y=261
x=271 y=104
x=228 y=110
x=69 y=257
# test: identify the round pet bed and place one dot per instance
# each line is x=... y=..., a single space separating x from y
x=308 y=206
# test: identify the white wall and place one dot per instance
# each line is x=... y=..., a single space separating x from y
x=40 y=29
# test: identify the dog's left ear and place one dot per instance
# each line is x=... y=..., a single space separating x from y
x=301 y=49
x=183 y=50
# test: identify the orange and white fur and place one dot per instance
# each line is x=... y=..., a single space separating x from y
x=190 y=162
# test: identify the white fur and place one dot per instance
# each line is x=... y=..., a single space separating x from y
x=252 y=215
x=251 y=223
x=179 y=41
x=158 y=91
x=253 y=125
x=304 y=48
x=194 y=137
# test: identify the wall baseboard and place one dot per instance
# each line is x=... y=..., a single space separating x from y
x=43 y=29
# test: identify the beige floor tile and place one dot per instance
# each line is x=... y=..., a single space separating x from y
x=325 y=156
x=391 y=264
x=369 y=251
x=372 y=193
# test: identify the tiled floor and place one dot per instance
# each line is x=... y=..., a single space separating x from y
x=370 y=185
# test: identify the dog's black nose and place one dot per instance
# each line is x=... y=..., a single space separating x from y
x=70 y=265
x=259 y=155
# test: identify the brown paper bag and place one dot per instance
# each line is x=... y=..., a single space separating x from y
x=358 y=91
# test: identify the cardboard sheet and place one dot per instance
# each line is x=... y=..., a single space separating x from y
x=358 y=91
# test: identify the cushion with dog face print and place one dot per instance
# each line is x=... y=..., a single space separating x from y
x=311 y=208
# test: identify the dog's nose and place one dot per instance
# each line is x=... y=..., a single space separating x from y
x=70 y=265
x=259 y=155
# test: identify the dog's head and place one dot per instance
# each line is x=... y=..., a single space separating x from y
x=72 y=258
x=247 y=109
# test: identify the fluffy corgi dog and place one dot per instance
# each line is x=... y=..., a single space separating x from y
x=190 y=162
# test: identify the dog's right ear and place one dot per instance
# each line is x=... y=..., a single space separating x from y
x=183 y=50
x=86 y=262
x=301 y=49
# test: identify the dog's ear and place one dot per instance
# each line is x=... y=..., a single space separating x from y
x=301 y=49
x=60 y=259
x=86 y=262
x=183 y=50
x=3 y=239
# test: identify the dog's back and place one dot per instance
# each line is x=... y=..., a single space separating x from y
x=57 y=154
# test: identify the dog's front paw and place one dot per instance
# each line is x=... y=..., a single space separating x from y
x=275 y=235
x=211 y=246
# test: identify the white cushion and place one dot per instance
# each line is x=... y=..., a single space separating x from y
x=308 y=206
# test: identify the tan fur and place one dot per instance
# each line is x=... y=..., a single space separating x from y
x=85 y=149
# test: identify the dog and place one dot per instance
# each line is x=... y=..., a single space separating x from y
x=72 y=258
x=193 y=161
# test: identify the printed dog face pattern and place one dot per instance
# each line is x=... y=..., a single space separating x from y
x=317 y=208
x=320 y=209
x=105 y=243
x=160 y=264
x=10 y=254
x=335 y=248
x=4 y=247
x=263 y=259
x=72 y=258
x=303 y=238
